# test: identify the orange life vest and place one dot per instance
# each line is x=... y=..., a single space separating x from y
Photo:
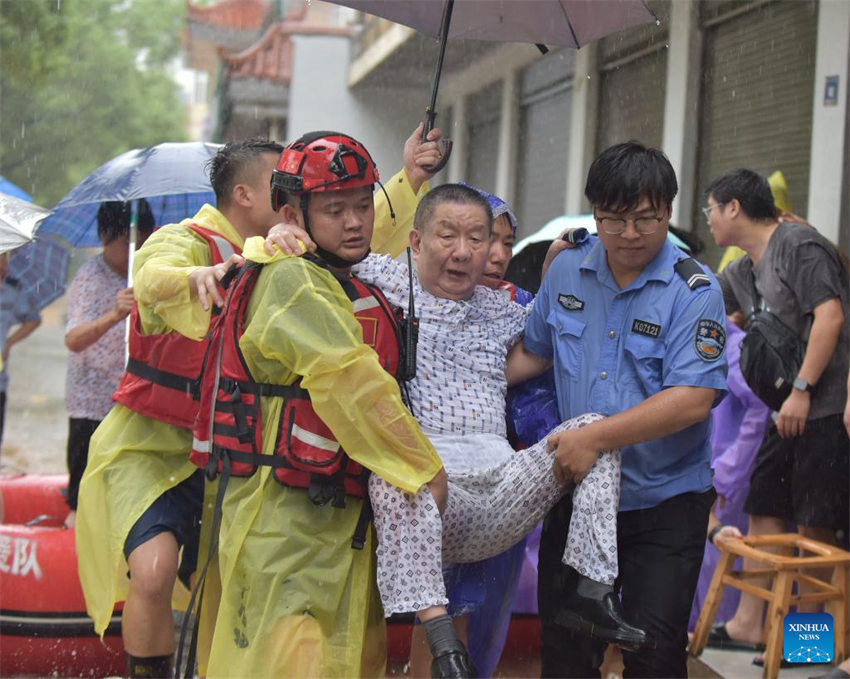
x=229 y=427
x=163 y=371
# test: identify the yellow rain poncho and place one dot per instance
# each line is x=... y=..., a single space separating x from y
x=297 y=600
x=133 y=459
x=391 y=237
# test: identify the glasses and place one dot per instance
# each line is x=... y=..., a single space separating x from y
x=707 y=210
x=614 y=226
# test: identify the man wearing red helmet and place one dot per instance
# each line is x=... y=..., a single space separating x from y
x=304 y=400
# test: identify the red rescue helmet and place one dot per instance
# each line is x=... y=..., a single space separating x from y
x=321 y=161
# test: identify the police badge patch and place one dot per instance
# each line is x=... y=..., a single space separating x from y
x=570 y=302
x=710 y=339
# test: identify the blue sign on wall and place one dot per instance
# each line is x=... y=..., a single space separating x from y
x=830 y=92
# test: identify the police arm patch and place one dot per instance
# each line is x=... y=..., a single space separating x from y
x=710 y=339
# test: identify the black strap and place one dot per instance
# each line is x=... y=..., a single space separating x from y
x=358 y=540
x=264 y=388
x=325 y=488
x=757 y=301
x=273 y=461
x=198 y=589
x=163 y=378
x=692 y=272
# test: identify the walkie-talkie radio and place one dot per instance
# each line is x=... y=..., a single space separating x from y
x=409 y=331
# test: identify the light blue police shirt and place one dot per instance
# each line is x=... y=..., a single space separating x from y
x=613 y=349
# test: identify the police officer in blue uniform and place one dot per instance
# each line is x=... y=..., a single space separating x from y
x=636 y=332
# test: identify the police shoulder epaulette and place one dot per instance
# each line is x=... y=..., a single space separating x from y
x=692 y=272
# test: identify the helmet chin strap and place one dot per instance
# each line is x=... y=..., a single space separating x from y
x=329 y=257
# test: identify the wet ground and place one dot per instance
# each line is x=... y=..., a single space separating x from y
x=36 y=428
x=36 y=435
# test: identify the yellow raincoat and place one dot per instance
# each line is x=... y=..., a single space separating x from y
x=391 y=236
x=133 y=459
x=297 y=600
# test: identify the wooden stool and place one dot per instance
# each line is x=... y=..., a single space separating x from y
x=796 y=555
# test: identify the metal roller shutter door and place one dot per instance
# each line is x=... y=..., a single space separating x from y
x=632 y=101
x=544 y=130
x=758 y=80
x=633 y=72
x=483 y=113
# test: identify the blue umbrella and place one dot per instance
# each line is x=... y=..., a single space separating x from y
x=11 y=189
x=41 y=268
x=171 y=176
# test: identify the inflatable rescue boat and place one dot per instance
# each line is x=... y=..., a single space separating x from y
x=44 y=629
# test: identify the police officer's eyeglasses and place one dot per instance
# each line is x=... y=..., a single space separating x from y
x=614 y=226
x=707 y=210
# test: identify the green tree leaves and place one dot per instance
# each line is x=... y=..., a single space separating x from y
x=82 y=81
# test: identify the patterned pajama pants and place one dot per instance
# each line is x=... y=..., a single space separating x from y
x=487 y=512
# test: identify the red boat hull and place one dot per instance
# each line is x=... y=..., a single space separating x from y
x=44 y=629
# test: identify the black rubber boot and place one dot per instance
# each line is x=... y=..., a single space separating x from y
x=451 y=661
x=453 y=665
x=154 y=667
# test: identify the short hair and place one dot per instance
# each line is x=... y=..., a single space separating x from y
x=624 y=174
x=450 y=193
x=113 y=219
x=227 y=167
x=749 y=188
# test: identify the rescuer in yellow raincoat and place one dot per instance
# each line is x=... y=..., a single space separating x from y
x=140 y=494
x=297 y=599
x=135 y=459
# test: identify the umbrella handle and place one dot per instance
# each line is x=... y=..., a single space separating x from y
x=446 y=151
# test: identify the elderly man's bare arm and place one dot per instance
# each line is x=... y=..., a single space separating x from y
x=522 y=365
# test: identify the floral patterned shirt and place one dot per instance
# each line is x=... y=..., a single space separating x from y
x=94 y=373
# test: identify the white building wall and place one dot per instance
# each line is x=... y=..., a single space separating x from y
x=681 y=109
x=827 y=178
x=320 y=99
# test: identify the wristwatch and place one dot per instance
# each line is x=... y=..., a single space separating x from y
x=801 y=384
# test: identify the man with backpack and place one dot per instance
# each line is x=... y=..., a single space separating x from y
x=797 y=275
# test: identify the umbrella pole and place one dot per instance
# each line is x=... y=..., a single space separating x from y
x=444 y=38
x=431 y=112
x=134 y=236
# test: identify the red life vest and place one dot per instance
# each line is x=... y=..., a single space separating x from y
x=306 y=453
x=163 y=371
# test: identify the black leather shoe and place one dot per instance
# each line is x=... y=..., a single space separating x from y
x=453 y=665
x=603 y=619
